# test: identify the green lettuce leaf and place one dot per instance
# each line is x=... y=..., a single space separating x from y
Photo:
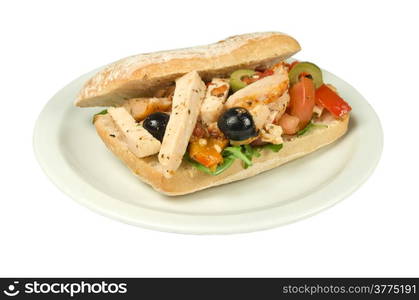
x=103 y=112
x=309 y=127
x=273 y=147
x=245 y=153
x=239 y=152
x=228 y=161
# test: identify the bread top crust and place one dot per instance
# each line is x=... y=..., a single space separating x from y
x=141 y=75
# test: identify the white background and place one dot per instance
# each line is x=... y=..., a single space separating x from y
x=46 y=44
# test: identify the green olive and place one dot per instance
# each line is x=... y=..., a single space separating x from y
x=309 y=68
x=236 y=82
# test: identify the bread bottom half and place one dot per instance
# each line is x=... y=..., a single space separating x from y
x=187 y=179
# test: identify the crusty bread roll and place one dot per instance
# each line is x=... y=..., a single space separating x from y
x=187 y=179
x=141 y=75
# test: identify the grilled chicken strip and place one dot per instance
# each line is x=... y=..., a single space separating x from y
x=187 y=101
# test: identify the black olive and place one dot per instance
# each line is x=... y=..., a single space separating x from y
x=156 y=124
x=237 y=124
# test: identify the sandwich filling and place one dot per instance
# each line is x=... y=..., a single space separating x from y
x=212 y=124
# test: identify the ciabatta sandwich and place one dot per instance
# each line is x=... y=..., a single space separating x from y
x=185 y=120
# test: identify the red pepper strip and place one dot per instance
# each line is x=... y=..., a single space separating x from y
x=332 y=102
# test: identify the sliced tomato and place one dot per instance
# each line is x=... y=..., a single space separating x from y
x=302 y=96
x=289 y=123
x=331 y=101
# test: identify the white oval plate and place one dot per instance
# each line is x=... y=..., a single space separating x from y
x=75 y=159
